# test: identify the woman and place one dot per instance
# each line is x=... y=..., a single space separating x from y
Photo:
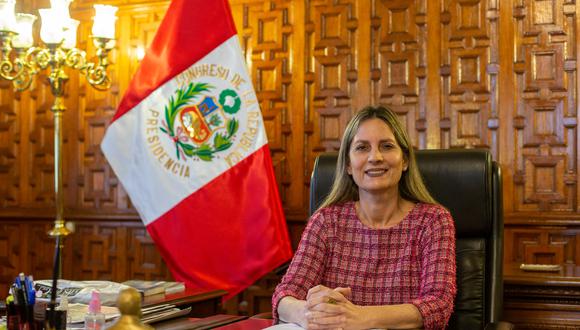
x=380 y=252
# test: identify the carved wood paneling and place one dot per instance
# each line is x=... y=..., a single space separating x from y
x=143 y=259
x=399 y=62
x=95 y=249
x=331 y=70
x=11 y=254
x=41 y=145
x=469 y=69
x=545 y=111
x=542 y=246
x=94 y=183
x=9 y=146
x=40 y=249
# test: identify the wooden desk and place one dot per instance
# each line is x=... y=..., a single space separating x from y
x=210 y=322
x=542 y=300
x=202 y=302
x=248 y=324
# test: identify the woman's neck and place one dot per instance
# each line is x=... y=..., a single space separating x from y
x=382 y=211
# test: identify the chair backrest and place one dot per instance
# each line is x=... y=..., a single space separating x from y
x=468 y=183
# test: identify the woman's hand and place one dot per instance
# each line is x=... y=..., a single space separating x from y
x=332 y=309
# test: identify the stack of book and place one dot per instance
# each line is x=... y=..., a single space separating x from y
x=150 y=288
x=162 y=312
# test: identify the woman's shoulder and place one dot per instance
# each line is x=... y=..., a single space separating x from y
x=333 y=213
x=432 y=213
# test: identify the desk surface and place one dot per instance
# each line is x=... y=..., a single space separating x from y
x=248 y=324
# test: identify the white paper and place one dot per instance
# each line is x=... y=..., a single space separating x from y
x=285 y=326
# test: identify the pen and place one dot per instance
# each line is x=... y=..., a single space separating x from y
x=24 y=287
x=31 y=291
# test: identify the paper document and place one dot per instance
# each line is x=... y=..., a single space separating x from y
x=285 y=326
x=77 y=312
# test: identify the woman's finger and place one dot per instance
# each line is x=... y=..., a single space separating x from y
x=316 y=289
x=325 y=321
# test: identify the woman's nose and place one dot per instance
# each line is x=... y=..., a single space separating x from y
x=375 y=155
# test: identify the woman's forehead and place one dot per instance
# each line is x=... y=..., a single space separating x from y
x=374 y=128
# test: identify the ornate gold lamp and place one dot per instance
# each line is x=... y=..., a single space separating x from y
x=21 y=61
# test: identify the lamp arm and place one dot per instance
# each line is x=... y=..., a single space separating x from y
x=96 y=73
x=97 y=76
x=75 y=58
x=25 y=65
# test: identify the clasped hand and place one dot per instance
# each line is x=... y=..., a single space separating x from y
x=328 y=308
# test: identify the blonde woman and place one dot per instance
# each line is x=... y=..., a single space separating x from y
x=380 y=251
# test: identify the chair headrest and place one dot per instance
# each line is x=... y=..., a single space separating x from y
x=459 y=179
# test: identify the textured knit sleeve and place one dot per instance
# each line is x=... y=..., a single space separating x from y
x=307 y=266
x=435 y=301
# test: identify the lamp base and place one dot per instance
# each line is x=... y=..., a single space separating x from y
x=59 y=229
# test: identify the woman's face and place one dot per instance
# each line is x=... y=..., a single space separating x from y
x=376 y=159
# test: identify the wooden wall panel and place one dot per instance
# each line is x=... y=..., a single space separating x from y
x=331 y=70
x=499 y=75
x=556 y=246
x=9 y=150
x=91 y=179
x=11 y=254
x=469 y=69
x=545 y=112
x=399 y=62
x=143 y=260
x=40 y=140
x=40 y=249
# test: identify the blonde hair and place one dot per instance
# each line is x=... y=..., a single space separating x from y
x=411 y=186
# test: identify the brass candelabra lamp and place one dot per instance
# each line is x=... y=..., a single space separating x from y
x=21 y=61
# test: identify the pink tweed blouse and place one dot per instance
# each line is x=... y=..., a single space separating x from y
x=412 y=262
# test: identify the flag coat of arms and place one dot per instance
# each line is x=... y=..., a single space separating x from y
x=188 y=144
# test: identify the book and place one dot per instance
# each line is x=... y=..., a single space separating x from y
x=174 y=287
x=146 y=288
x=150 y=288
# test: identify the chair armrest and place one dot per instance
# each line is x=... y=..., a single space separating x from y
x=499 y=326
x=266 y=315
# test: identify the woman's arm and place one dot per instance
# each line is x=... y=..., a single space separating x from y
x=307 y=313
x=306 y=269
x=404 y=316
x=438 y=288
x=292 y=310
x=346 y=315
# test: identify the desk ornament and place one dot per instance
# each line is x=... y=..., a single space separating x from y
x=129 y=304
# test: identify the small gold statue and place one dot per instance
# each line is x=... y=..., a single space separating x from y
x=129 y=304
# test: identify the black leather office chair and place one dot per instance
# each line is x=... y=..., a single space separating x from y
x=468 y=184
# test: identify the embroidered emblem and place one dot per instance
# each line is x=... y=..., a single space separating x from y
x=200 y=126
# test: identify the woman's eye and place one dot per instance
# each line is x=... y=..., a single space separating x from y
x=387 y=146
x=360 y=147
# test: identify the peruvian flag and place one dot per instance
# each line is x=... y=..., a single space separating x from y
x=189 y=146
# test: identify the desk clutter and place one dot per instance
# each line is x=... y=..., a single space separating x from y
x=86 y=304
x=20 y=303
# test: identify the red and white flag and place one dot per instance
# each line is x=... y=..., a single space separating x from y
x=188 y=144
